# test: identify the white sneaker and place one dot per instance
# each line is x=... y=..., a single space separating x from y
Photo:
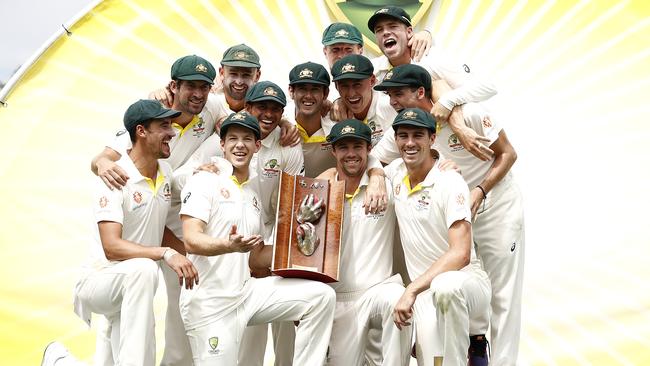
x=54 y=352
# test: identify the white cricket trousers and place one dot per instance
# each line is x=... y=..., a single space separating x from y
x=355 y=312
x=254 y=339
x=124 y=293
x=499 y=239
x=177 y=346
x=271 y=299
x=456 y=306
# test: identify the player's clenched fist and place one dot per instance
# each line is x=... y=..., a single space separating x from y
x=183 y=268
x=238 y=243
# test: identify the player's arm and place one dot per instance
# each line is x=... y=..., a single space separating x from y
x=163 y=95
x=289 y=135
x=118 y=249
x=171 y=241
x=104 y=166
x=198 y=242
x=455 y=258
x=375 y=199
x=504 y=157
x=471 y=141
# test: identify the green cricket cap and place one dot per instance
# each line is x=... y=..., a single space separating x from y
x=391 y=12
x=352 y=67
x=193 y=67
x=144 y=110
x=406 y=75
x=309 y=73
x=341 y=33
x=415 y=117
x=266 y=90
x=349 y=128
x=241 y=55
x=243 y=119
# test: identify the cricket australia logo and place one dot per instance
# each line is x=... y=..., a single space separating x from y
x=199 y=128
x=241 y=55
x=238 y=117
x=271 y=168
x=341 y=33
x=454 y=143
x=270 y=91
x=214 y=343
x=347 y=129
x=348 y=68
x=388 y=76
x=201 y=68
x=409 y=115
x=306 y=73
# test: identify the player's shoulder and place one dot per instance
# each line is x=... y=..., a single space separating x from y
x=449 y=179
x=395 y=170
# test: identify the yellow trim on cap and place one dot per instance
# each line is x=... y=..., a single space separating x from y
x=407 y=183
x=309 y=139
x=160 y=178
x=192 y=123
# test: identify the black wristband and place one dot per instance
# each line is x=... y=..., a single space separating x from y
x=482 y=190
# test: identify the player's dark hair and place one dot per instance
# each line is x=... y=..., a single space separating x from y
x=144 y=124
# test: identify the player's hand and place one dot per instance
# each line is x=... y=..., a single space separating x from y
x=403 y=310
x=209 y=167
x=420 y=43
x=240 y=244
x=375 y=199
x=183 y=268
x=111 y=174
x=310 y=210
x=289 y=135
x=340 y=111
x=440 y=112
x=448 y=164
x=164 y=96
x=476 y=198
x=326 y=107
x=474 y=143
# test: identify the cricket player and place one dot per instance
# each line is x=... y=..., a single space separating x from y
x=223 y=227
x=354 y=79
x=366 y=291
x=449 y=296
x=495 y=201
x=192 y=77
x=122 y=275
x=392 y=28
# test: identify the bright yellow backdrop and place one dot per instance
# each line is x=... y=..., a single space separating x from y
x=573 y=79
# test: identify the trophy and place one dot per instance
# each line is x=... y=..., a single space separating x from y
x=308 y=228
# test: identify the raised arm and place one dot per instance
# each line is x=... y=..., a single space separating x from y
x=104 y=166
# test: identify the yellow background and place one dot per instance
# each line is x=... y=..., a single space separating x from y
x=574 y=81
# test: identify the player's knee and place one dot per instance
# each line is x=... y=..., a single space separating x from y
x=145 y=272
x=446 y=290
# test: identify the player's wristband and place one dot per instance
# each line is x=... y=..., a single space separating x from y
x=168 y=253
x=482 y=190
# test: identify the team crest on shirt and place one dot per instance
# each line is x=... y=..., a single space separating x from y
x=306 y=73
x=271 y=168
x=199 y=128
x=256 y=204
x=103 y=202
x=137 y=197
x=167 y=192
x=454 y=143
x=213 y=342
x=225 y=193
x=487 y=123
x=424 y=200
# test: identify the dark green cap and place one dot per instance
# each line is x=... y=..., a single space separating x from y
x=406 y=75
x=241 y=118
x=241 y=55
x=341 y=33
x=352 y=67
x=350 y=128
x=391 y=12
x=266 y=90
x=309 y=73
x=415 y=117
x=144 y=110
x=193 y=67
